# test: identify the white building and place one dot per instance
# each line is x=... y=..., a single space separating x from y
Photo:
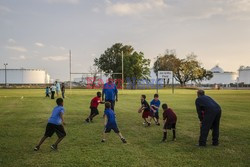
x=221 y=77
x=244 y=75
x=24 y=76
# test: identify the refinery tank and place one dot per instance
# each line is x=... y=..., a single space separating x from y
x=24 y=76
x=244 y=75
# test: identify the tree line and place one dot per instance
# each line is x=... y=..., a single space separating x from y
x=136 y=66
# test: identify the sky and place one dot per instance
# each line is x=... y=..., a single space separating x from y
x=39 y=33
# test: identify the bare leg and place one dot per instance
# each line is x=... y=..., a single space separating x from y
x=103 y=137
x=42 y=140
x=120 y=135
x=58 y=141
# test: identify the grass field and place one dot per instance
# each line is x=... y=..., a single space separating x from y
x=23 y=121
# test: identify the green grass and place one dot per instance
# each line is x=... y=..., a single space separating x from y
x=23 y=121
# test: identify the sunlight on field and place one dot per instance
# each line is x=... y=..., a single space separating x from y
x=24 y=114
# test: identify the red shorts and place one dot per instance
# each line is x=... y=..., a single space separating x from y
x=145 y=114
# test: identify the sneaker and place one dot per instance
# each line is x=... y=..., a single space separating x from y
x=158 y=124
x=144 y=123
x=103 y=140
x=87 y=120
x=149 y=124
x=36 y=148
x=215 y=144
x=124 y=140
x=164 y=140
x=53 y=147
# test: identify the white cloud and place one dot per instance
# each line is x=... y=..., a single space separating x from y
x=21 y=57
x=11 y=41
x=64 y=1
x=39 y=44
x=132 y=8
x=96 y=10
x=16 y=48
x=55 y=58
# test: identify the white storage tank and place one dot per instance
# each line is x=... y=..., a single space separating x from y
x=24 y=76
x=244 y=75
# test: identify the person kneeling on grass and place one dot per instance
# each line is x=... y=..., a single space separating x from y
x=55 y=124
x=110 y=123
x=93 y=107
x=169 y=121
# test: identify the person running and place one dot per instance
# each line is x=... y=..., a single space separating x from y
x=93 y=107
x=55 y=125
x=110 y=123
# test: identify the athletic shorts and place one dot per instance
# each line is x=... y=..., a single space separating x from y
x=94 y=110
x=109 y=128
x=156 y=115
x=145 y=114
x=169 y=125
x=151 y=113
x=52 y=128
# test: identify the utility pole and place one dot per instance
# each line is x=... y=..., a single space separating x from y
x=122 y=72
x=157 y=87
x=70 y=70
x=5 y=64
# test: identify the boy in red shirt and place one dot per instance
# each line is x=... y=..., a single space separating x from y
x=169 y=121
x=93 y=107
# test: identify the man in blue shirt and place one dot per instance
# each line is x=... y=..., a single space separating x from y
x=110 y=123
x=55 y=124
x=111 y=93
x=209 y=113
x=154 y=109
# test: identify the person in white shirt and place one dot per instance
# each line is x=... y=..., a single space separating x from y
x=53 y=90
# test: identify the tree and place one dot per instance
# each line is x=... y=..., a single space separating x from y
x=94 y=71
x=136 y=66
x=184 y=70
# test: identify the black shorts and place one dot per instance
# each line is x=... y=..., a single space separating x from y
x=94 y=110
x=169 y=125
x=108 y=129
x=156 y=115
x=52 y=128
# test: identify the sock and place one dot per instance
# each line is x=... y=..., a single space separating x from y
x=164 y=135
x=174 y=134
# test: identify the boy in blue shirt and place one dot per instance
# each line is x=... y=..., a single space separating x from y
x=55 y=124
x=110 y=123
x=47 y=91
x=154 y=109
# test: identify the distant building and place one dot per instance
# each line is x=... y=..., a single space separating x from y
x=244 y=75
x=221 y=77
x=24 y=76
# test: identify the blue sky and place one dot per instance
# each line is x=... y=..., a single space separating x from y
x=39 y=33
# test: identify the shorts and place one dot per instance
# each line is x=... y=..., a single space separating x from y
x=109 y=128
x=156 y=115
x=169 y=125
x=145 y=114
x=52 y=128
x=94 y=110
